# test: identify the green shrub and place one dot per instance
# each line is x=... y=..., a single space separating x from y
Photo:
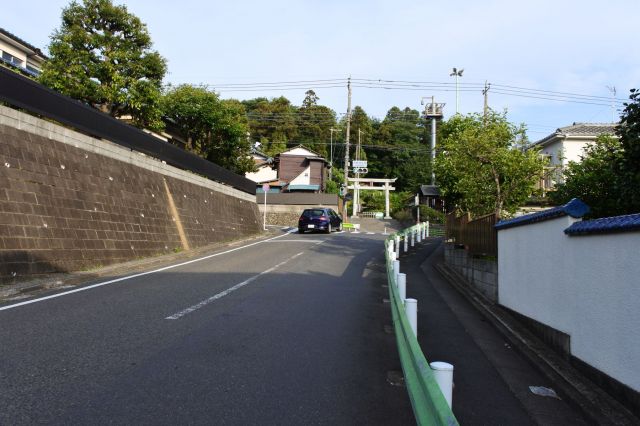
x=431 y=215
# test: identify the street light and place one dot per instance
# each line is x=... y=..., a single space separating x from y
x=457 y=73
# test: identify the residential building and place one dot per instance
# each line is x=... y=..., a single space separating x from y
x=567 y=144
x=20 y=55
x=297 y=169
x=265 y=172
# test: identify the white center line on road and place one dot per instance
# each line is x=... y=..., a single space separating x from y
x=128 y=277
x=227 y=291
x=299 y=241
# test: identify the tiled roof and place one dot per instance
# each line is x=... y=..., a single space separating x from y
x=629 y=222
x=430 y=190
x=24 y=43
x=574 y=208
x=581 y=129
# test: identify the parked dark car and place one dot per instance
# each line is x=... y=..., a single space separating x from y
x=319 y=219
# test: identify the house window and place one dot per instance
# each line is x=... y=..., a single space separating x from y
x=11 y=59
x=33 y=70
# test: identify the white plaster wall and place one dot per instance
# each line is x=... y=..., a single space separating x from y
x=585 y=286
x=303 y=178
x=573 y=150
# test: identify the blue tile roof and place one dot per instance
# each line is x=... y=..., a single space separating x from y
x=574 y=208
x=630 y=222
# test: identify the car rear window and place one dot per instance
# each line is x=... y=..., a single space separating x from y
x=313 y=212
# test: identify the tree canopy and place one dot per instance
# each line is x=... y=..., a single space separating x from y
x=478 y=168
x=215 y=129
x=102 y=55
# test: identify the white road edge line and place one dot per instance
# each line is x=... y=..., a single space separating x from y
x=227 y=291
x=128 y=277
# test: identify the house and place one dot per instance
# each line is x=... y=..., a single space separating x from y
x=19 y=55
x=301 y=170
x=567 y=144
x=265 y=172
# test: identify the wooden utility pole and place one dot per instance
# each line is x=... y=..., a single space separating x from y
x=331 y=130
x=346 y=148
x=485 y=92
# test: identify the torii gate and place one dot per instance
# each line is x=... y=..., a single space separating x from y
x=358 y=184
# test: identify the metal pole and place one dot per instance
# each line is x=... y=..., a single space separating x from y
x=264 y=219
x=433 y=149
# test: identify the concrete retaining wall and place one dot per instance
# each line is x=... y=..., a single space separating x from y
x=70 y=202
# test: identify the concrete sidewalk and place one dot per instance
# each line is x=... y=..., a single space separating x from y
x=492 y=380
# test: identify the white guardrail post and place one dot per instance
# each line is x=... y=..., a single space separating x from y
x=397 y=246
x=411 y=308
x=443 y=373
x=419 y=231
x=413 y=237
x=427 y=229
x=402 y=286
x=396 y=270
x=406 y=243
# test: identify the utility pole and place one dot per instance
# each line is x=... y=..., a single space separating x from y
x=331 y=130
x=485 y=92
x=346 y=145
x=356 y=189
x=346 y=150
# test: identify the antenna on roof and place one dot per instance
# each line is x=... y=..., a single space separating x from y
x=612 y=89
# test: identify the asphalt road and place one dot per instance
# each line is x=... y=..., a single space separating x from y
x=286 y=331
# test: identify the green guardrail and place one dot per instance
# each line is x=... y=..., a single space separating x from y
x=429 y=404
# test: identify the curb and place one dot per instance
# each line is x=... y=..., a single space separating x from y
x=596 y=405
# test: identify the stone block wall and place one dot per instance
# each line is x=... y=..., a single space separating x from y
x=71 y=202
x=482 y=274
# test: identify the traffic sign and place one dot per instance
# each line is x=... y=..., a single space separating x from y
x=361 y=170
x=265 y=187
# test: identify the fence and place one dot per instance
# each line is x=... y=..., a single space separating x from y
x=24 y=93
x=478 y=235
x=429 y=385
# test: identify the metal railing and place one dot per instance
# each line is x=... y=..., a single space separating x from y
x=429 y=385
x=36 y=98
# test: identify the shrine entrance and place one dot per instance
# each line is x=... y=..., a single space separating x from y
x=370 y=184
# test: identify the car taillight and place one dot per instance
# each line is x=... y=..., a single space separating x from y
x=301 y=218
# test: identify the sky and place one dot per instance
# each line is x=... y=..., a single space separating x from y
x=549 y=63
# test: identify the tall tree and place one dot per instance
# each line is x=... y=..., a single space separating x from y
x=629 y=133
x=272 y=123
x=400 y=152
x=480 y=170
x=102 y=55
x=314 y=123
x=215 y=129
